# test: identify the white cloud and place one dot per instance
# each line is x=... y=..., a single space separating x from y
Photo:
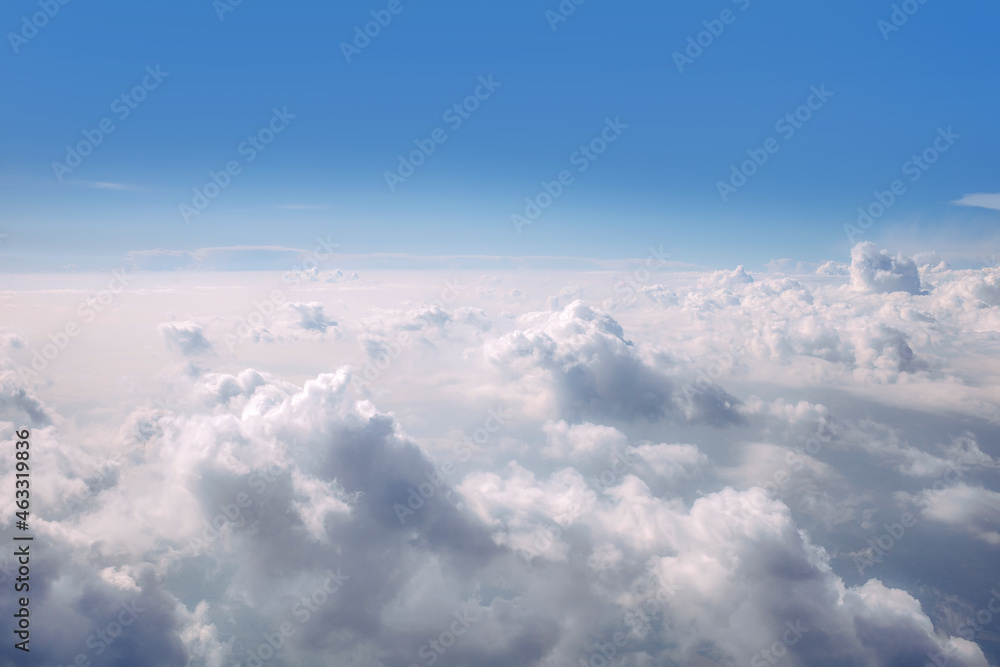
x=973 y=509
x=581 y=440
x=982 y=200
x=546 y=462
x=187 y=337
x=876 y=270
x=106 y=185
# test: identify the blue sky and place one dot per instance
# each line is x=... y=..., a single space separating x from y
x=656 y=184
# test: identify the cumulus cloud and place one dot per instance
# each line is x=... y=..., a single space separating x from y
x=17 y=403
x=972 y=509
x=588 y=367
x=832 y=268
x=684 y=472
x=580 y=440
x=728 y=279
x=875 y=270
x=11 y=340
x=673 y=461
x=187 y=337
x=312 y=317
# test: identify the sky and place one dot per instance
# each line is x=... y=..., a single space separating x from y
x=409 y=334
x=685 y=122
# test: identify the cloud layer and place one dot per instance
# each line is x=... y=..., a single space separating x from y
x=699 y=468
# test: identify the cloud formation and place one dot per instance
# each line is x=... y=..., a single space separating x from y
x=710 y=468
x=187 y=337
x=876 y=270
x=981 y=200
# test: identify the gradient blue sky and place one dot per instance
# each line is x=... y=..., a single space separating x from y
x=324 y=175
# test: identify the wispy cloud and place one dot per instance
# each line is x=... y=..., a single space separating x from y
x=234 y=258
x=244 y=257
x=107 y=185
x=981 y=199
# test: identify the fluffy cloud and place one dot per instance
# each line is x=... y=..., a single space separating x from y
x=684 y=473
x=973 y=509
x=875 y=270
x=586 y=366
x=312 y=317
x=187 y=337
